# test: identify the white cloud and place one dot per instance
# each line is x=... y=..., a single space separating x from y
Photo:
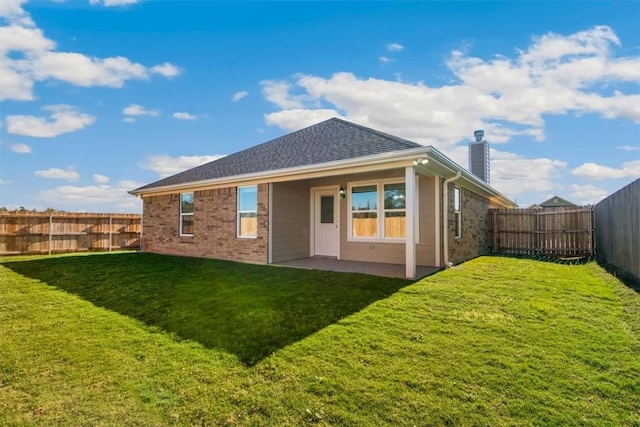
x=12 y=11
x=165 y=165
x=104 y=198
x=166 y=70
x=587 y=194
x=515 y=175
x=28 y=56
x=63 y=119
x=184 y=116
x=138 y=110
x=598 y=172
x=20 y=148
x=128 y=120
x=628 y=147
x=277 y=92
x=57 y=173
x=299 y=118
x=4 y=181
x=100 y=179
x=385 y=60
x=395 y=47
x=239 y=95
x=112 y=3
x=507 y=97
x=81 y=70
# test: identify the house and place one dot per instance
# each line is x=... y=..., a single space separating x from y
x=554 y=202
x=334 y=189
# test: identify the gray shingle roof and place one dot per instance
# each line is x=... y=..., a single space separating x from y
x=328 y=141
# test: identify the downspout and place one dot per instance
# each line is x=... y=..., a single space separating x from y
x=445 y=217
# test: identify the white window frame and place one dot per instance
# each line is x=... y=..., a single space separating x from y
x=238 y=212
x=380 y=210
x=457 y=213
x=183 y=214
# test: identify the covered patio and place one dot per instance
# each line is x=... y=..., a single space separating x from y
x=344 y=266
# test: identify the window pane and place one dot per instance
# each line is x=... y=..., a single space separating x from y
x=187 y=224
x=394 y=196
x=457 y=225
x=456 y=199
x=326 y=209
x=186 y=203
x=394 y=224
x=365 y=224
x=248 y=198
x=248 y=224
x=364 y=198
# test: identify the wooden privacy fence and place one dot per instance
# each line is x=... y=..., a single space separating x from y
x=618 y=229
x=36 y=233
x=394 y=227
x=559 y=233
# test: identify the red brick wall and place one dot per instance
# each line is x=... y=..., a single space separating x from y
x=214 y=234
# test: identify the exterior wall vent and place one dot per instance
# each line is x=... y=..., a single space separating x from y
x=479 y=162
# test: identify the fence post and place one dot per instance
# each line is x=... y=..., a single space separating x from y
x=592 y=229
x=141 y=230
x=536 y=222
x=50 y=230
x=495 y=233
x=110 y=230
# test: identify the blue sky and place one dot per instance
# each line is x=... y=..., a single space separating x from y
x=99 y=97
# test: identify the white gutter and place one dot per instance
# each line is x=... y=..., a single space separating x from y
x=445 y=216
x=408 y=155
x=331 y=168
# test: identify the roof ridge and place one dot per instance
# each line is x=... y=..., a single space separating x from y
x=333 y=139
x=368 y=129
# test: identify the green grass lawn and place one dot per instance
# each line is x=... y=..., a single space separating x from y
x=141 y=339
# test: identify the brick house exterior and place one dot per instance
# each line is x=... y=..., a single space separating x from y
x=333 y=189
x=474 y=240
x=214 y=234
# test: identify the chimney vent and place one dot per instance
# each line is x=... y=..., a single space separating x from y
x=479 y=156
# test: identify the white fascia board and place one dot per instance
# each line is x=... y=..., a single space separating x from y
x=472 y=181
x=439 y=164
x=298 y=172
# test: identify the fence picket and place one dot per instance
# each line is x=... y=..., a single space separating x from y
x=560 y=233
x=34 y=233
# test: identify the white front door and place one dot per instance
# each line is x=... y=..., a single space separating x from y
x=326 y=213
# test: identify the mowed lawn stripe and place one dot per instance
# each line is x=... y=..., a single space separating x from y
x=495 y=341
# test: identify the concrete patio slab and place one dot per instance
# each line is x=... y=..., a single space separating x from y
x=372 y=268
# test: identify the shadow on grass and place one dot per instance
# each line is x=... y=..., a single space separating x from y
x=628 y=279
x=248 y=310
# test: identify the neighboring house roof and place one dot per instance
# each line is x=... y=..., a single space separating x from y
x=328 y=148
x=328 y=141
x=556 y=202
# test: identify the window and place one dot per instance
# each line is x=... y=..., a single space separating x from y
x=248 y=211
x=326 y=209
x=378 y=211
x=186 y=214
x=364 y=211
x=457 y=218
x=394 y=211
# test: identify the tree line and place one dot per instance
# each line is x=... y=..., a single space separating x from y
x=22 y=209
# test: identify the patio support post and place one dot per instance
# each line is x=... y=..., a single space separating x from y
x=410 y=234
